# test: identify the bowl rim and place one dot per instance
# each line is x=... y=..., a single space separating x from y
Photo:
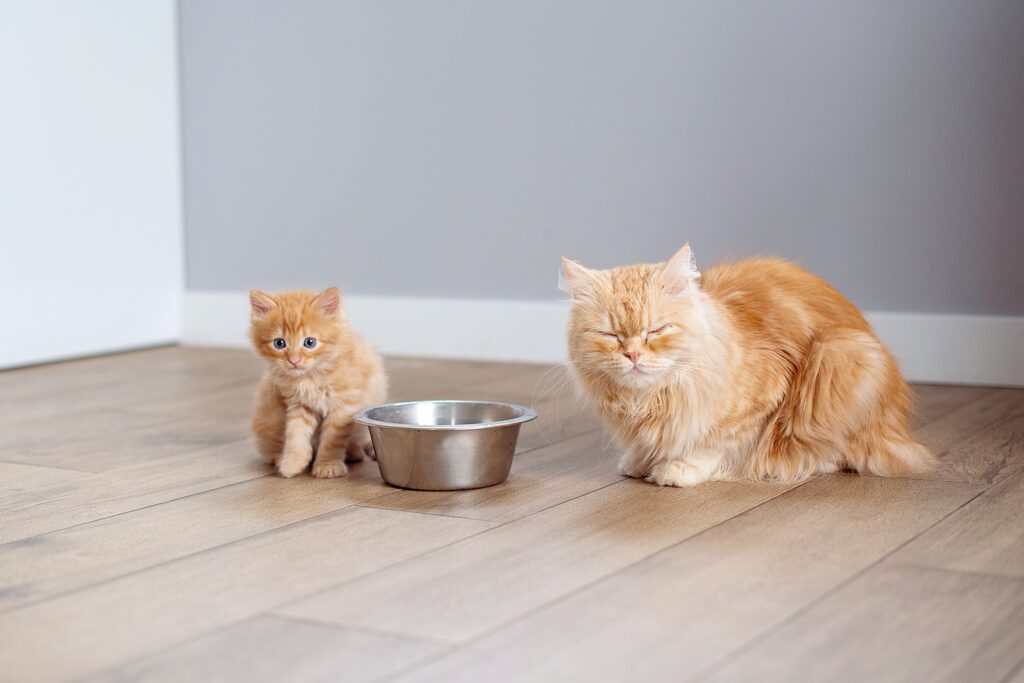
x=526 y=415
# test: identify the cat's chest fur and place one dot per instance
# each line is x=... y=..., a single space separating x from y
x=314 y=395
x=668 y=419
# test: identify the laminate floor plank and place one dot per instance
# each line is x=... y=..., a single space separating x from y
x=90 y=498
x=273 y=649
x=675 y=614
x=465 y=589
x=142 y=538
x=65 y=560
x=118 y=621
x=985 y=536
x=17 y=478
x=897 y=623
x=934 y=401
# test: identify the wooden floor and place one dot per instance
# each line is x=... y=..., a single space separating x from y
x=141 y=538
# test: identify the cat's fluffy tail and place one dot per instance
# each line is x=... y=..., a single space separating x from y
x=890 y=456
x=847 y=407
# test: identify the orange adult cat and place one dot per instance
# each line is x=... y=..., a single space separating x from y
x=319 y=374
x=758 y=370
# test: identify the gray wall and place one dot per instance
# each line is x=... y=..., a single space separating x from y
x=457 y=148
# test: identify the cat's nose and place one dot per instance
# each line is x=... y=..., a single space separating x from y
x=295 y=362
x=631 y=355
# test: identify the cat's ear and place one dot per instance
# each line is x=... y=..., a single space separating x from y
x=575 y=279
x=328 y=301
x=260 y=302
x=680 y=273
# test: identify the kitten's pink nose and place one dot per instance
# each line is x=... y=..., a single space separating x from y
x=294 y=361
x=632 y=355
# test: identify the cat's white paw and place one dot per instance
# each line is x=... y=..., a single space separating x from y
x=676 y=473
x=329 y=470
x=292 y=463
x=692 y=476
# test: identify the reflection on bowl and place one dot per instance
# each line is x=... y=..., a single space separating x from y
x=445 y=445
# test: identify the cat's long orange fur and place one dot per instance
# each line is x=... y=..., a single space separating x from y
x=308 y=396
x=757 y=370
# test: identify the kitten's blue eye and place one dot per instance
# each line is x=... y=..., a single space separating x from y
x=309 y=342
x=280 y=343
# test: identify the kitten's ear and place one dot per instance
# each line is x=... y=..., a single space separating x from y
x=261 y=303
x=680 y=273
x=575 y=279
x=329 y=301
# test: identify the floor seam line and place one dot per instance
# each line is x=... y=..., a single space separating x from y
x=364 y=505
x=579 y=589
x=270 y=610
x=354 y=627
x=962 y=572
x=133 y=510
x=496 y=526
x=48 y=467
x=737 y=652
x=1013 y=672
x=180 y=558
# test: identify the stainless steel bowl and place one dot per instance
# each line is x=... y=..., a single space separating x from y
x=445 y=445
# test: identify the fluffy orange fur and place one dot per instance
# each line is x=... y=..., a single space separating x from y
x=320 y=373
x=757 y=370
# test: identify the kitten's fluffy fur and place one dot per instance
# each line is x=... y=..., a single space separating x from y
x=308 y=396
x=756 y=371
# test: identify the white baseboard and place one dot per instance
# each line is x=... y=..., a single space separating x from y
x=955 y=349
x=958 y=349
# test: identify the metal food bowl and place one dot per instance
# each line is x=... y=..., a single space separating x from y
x=445 y=445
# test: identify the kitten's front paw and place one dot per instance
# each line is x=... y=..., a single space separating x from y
x=329 y=470
x=292 y=463
x=676 y=473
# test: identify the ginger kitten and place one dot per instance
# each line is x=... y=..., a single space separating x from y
x=320 y=373
x=757 y=370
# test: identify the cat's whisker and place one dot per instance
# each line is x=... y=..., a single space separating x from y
x=557 y=385
x=550 y=384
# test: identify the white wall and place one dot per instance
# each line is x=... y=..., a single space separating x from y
x=90 y=201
